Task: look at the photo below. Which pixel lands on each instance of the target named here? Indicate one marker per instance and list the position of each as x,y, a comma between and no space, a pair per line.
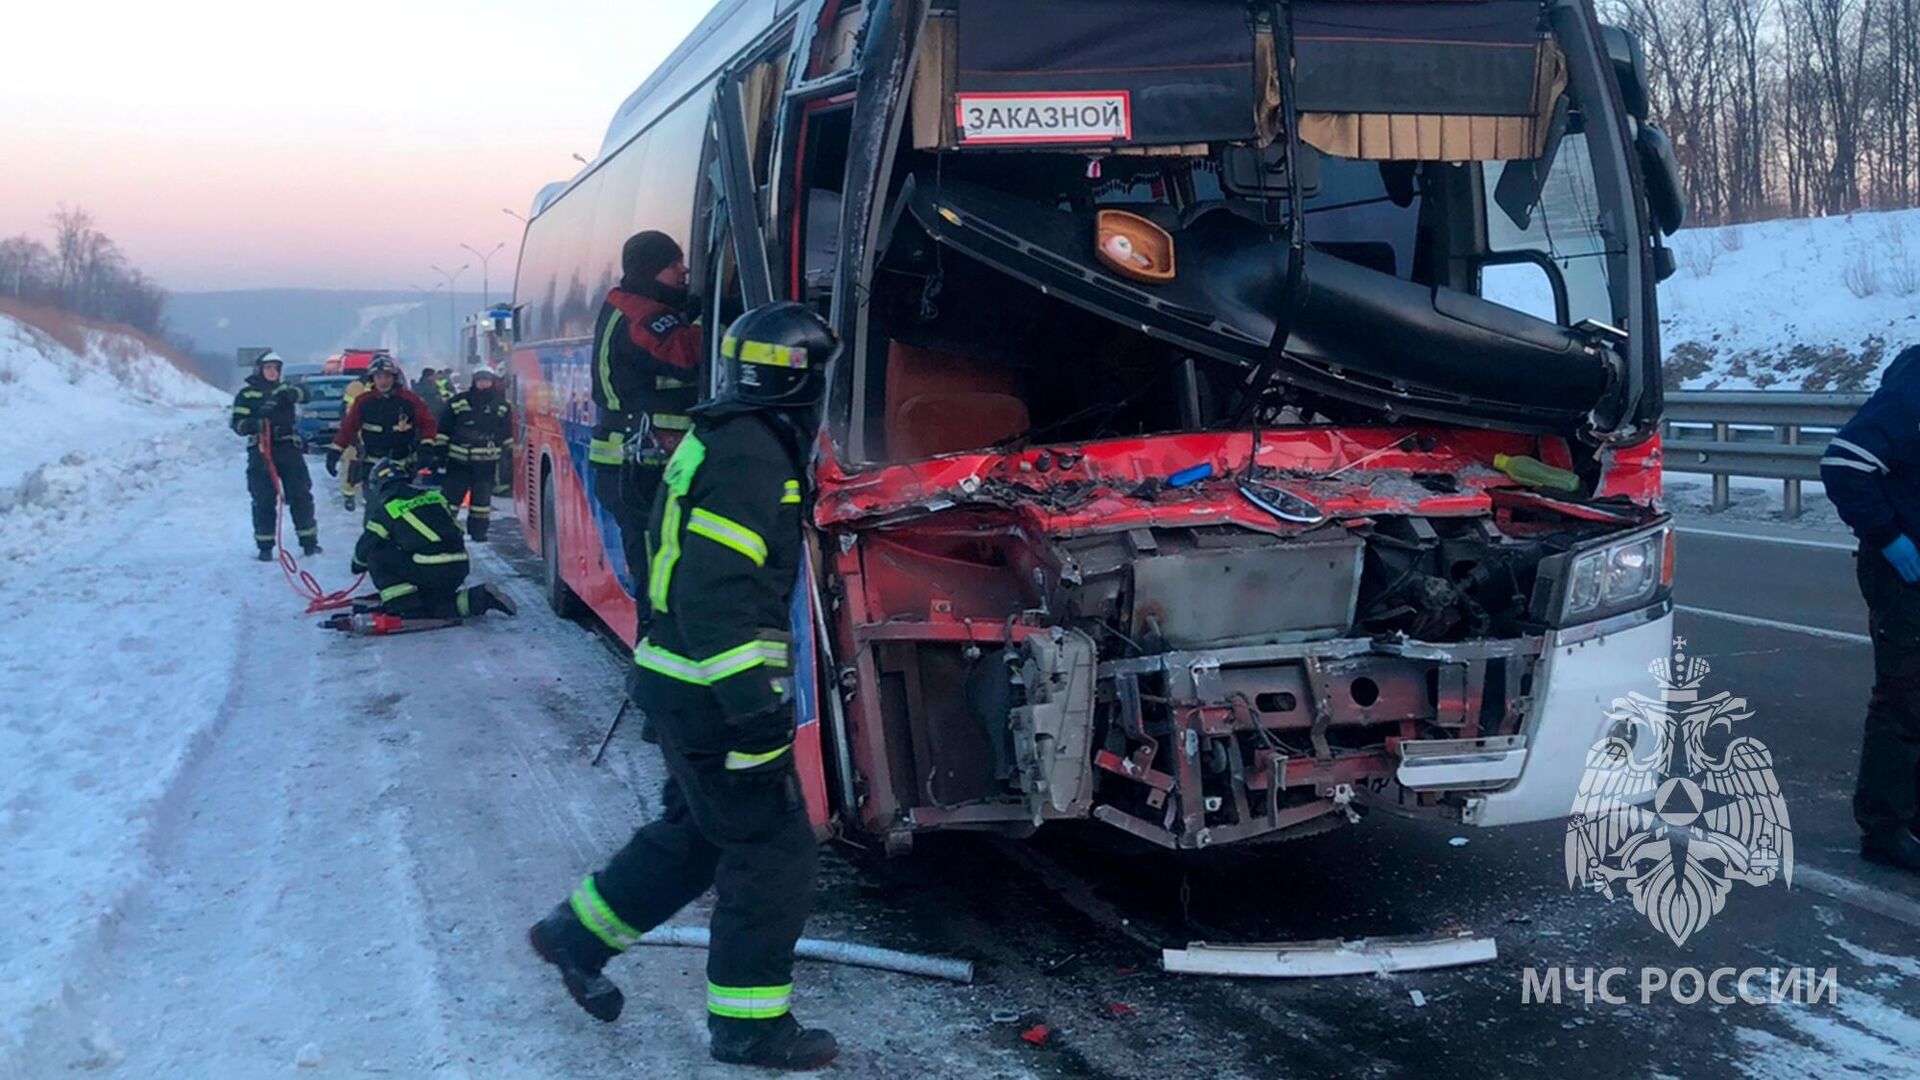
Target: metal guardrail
1758,433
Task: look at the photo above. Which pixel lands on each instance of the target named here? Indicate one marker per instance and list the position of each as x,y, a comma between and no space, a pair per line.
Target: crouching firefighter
476,428
713,677
264,412
646,358
411,547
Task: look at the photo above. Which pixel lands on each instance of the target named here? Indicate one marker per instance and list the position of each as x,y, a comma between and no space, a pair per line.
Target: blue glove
1904,557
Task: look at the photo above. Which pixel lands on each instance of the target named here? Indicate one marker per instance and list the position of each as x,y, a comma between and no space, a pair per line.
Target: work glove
333,461
249,427
1904,557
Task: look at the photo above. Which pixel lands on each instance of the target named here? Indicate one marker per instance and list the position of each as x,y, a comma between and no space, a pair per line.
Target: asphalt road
1065,928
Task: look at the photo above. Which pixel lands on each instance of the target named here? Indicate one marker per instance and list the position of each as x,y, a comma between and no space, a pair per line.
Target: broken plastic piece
1536,473
1193,474
1313,959
1037,1034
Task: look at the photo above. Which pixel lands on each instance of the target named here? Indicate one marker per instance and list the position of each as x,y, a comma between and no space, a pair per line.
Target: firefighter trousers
350,472
291,463
1887,793
471,479
741,831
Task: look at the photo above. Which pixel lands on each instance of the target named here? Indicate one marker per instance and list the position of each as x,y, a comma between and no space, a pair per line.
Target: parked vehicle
1232,433
320,414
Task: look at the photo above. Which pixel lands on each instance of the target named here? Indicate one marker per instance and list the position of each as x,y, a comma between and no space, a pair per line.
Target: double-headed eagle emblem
1674,808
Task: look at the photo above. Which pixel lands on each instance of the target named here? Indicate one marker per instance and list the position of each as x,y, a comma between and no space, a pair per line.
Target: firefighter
411,547
263,411
714,680
389,420
351,455
646,363
476,427
428,387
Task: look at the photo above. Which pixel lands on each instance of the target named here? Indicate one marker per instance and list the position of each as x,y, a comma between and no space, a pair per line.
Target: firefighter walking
476,429
264,412
646,358
713,676
349,490
389,420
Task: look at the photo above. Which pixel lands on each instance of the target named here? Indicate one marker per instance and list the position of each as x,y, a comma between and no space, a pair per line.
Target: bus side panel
557,401
807,684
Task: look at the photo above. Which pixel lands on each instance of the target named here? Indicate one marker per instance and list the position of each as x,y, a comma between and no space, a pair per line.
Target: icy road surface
234,845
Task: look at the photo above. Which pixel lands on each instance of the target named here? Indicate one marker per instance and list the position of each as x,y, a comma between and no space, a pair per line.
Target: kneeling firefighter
412,549
713,678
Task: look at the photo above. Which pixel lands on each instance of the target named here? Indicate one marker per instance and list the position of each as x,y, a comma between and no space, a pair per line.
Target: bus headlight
1605,577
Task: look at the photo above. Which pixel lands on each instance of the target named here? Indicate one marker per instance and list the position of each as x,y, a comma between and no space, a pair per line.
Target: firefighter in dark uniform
389,420
411,547
476,426
264,412
713,677
645,373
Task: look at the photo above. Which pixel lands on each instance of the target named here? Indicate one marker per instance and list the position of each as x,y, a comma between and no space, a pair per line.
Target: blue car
320,414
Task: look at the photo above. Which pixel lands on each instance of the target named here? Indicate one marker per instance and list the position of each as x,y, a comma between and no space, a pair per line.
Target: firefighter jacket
725,538
411,543
270,403
645,362
389,425
475,426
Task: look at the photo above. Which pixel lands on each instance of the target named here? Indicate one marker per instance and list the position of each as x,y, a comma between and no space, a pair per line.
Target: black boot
563,942
265,553
770,1044
349,500
1895,847
498,600
309,547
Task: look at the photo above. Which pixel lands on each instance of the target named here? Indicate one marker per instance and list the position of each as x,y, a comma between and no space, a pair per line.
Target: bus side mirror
1629,69
1664,264
1661,173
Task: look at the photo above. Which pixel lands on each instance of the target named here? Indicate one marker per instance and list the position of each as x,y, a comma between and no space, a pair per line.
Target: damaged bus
1247,415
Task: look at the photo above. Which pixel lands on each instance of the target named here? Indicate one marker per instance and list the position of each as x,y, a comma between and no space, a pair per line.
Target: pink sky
236,144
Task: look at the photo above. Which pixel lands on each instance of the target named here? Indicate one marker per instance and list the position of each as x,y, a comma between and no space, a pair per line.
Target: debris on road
834,952
1419,999
1314,959
1037,1034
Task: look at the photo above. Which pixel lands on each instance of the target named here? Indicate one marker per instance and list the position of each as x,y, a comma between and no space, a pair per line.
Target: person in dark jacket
412,550
389,420
1872,473
431,390
264,412
476,427
714,677
645,372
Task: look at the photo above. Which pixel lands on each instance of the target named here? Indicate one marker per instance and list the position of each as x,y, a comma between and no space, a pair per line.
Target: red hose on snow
304,583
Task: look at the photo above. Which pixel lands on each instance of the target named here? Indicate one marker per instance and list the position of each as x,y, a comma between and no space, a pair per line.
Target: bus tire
559,597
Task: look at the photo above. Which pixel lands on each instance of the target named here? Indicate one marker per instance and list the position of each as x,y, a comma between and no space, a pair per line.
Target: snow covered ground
1819,304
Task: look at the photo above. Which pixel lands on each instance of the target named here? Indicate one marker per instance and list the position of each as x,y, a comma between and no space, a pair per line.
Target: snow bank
83,413
1816,304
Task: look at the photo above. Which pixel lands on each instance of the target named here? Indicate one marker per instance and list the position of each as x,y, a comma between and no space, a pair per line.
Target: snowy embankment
84,414
94,725
1814,304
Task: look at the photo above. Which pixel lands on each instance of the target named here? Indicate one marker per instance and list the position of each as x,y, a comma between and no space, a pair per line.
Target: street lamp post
486,295
453,327
513,215
428,293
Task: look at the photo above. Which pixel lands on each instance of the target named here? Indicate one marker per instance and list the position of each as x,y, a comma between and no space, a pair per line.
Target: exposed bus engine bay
1050,641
